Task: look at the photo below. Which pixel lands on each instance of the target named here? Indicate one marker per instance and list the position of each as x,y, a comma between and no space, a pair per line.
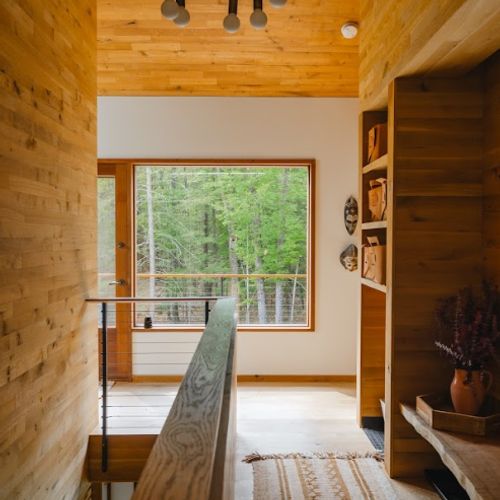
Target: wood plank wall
371,361
491,172
405,37
491,179
300,53
48,350
436,148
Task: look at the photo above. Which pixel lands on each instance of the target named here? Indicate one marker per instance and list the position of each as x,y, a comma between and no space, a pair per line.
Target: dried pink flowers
472,323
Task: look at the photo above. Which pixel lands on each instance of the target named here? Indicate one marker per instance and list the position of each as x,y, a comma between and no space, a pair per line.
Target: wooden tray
437,410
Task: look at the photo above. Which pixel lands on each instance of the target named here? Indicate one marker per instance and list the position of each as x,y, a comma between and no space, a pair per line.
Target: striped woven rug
329,476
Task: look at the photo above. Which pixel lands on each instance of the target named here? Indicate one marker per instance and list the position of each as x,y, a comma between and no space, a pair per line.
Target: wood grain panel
300,53
48,358
472,459
127,457
491,180
191,457
404,37
371,362
491,170
125,258
434,234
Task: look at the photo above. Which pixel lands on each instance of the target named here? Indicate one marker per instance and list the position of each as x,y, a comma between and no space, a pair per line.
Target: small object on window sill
148,322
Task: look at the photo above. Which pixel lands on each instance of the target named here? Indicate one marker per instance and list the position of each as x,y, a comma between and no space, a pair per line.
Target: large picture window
241,229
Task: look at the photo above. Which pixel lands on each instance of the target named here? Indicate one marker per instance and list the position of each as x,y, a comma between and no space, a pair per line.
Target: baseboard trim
328,379
297,378
157,378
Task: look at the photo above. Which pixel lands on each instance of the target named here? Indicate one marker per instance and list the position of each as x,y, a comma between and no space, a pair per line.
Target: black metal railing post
104,372
207,311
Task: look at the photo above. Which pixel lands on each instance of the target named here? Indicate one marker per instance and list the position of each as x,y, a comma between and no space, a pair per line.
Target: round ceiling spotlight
349,30
258,18
231,22
277,4
183,16
170,9
176,11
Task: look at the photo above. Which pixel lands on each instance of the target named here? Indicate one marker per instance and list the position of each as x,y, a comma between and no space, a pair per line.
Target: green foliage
106,232
196,210
227,220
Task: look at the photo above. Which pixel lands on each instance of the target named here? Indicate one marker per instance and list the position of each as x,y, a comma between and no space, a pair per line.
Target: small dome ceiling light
349,30
183,16
258,18
175,10
231,22
170,9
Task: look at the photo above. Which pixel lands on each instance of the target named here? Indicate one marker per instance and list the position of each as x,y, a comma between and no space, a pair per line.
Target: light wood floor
138,408
278,418
272,418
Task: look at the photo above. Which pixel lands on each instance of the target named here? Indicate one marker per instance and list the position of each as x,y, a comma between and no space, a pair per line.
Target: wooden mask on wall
349,258
351,214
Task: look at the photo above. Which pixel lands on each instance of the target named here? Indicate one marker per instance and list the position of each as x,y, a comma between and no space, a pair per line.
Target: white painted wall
320,128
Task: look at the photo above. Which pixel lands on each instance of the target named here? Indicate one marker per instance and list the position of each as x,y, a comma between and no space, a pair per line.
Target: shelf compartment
378,224
378,164
374,285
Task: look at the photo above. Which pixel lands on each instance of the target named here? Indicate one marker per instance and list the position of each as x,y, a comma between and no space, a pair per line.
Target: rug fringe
350,455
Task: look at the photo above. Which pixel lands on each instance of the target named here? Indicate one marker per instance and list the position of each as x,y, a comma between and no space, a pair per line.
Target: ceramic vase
468,390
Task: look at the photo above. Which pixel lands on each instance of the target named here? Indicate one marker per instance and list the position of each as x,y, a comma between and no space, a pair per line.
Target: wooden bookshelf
380,164
374,285
372,295
433,248
379,224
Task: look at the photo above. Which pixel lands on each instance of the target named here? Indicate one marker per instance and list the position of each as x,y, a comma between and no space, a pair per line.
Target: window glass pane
239,231
106,238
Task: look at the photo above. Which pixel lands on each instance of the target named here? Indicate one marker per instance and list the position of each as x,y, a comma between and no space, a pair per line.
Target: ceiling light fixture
231,22
169,9
175,10
258,19
183,16
349,30
277,3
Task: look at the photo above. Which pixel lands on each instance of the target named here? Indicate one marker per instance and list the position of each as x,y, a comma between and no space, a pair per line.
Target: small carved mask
349,258
351,214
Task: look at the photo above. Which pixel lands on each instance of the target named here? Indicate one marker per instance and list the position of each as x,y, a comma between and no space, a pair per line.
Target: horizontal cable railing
116,354
133,300
262,299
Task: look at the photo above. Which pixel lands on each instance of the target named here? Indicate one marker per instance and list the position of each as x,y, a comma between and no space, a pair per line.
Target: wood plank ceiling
300,53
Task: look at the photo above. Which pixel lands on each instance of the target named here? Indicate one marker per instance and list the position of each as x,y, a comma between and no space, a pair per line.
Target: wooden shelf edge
378,164
379,224
456,451
372,284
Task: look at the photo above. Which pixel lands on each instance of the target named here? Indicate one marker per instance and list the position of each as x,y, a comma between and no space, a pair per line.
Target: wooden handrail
211,298
193,457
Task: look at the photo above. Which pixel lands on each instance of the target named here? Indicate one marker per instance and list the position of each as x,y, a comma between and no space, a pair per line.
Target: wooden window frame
124,171
120,335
